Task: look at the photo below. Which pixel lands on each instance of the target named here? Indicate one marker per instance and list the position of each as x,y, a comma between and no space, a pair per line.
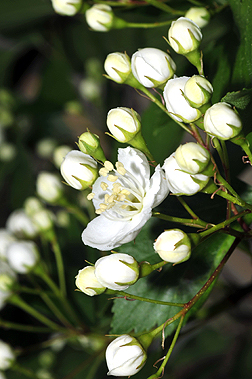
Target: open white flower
124,197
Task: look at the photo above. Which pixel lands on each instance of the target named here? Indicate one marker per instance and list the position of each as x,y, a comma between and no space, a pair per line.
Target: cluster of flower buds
115,271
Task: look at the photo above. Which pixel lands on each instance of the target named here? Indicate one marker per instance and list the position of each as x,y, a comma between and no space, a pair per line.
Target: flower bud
117,271
79,170
89,143
7,356
7,278
198,91
173,246
45,147
175,102
199,15
222,121
32,205
44,220
117,66
49,187
7,151
125,356
100,17
184,35
123,123
181,183
66,7
21,225
6,238
59,154
22,256
152,67
192,157
87,282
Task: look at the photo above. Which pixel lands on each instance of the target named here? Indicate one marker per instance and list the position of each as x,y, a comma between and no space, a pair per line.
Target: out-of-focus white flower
7,151
79,170
7,278
6,238
59,154
2,376
125,356
67,7
49,187
175,102
181,183
22,256
222,121
117,66
123,197
199,15
198,90
123,123
90,89
21,225
100,17
45,147
32,205
7,356
184,35
173,246
152,67
117,271
192,157
87,282
43,219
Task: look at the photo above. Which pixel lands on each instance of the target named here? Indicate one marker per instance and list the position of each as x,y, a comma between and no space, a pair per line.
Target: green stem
187,208
233,199
72,208
130,296
160,371
195,223
164,7
59,262
147,25
24,371
17,301
55,310
24,328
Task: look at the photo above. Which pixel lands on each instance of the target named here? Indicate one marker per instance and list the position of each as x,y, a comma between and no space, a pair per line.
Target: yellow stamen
90,196
108,165
112,178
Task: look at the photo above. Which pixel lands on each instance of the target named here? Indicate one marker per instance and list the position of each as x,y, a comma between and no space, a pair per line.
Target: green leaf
174,283
239,99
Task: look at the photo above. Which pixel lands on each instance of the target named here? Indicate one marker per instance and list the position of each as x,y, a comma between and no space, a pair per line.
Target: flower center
124,198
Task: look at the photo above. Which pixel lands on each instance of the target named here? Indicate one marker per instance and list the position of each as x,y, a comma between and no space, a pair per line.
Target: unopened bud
87,282
173,246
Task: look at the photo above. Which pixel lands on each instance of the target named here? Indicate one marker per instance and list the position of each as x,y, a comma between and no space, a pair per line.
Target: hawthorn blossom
123,197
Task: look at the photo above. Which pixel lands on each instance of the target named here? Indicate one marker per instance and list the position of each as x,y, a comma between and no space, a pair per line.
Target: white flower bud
67,7
100,17
7,151
22,256
87,282
89,143
7,356
123,123
173,246
198,91
152,67
49,187
199,15
222,121
184,35
7,278
59,154
21,225
117,66
43,219
125,356
181,183
45,147
175,102
32,205
6,238
192,157
117,271
79,170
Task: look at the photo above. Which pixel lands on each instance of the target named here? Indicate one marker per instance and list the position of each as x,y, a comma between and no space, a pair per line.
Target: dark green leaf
239,99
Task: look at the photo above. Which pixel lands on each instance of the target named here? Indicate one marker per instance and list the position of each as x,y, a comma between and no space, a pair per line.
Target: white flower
7,356
117,66
79,170
152,67
184,35
100,17
192,157
22,256
222,121
87,282
117,271
124,198
67,7
21,225
6,238
123,123
181,183
49,187
173,246
125,356
176,103
199,15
